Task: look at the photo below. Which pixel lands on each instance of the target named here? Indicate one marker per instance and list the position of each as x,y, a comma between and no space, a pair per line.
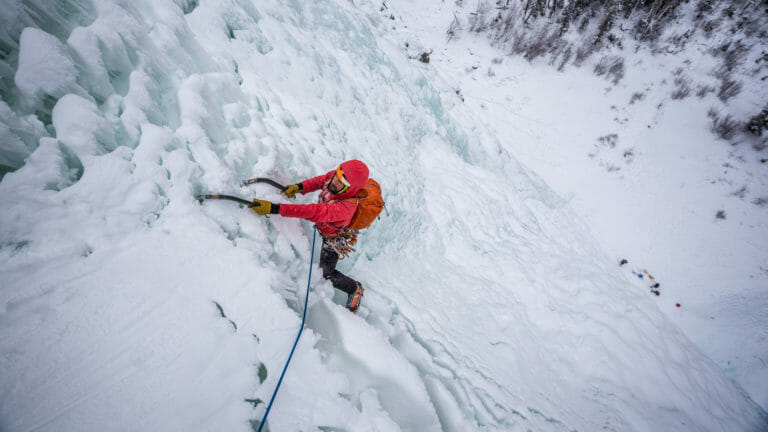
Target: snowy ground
127,305
640,166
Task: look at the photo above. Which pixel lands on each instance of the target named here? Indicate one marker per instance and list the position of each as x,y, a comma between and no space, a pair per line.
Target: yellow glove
292,190
264,207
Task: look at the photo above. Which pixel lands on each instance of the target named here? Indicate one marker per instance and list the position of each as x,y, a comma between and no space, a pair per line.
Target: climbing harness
301,329
341,243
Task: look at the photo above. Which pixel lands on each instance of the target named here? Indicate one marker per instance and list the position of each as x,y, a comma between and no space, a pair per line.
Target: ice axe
263,180
245,202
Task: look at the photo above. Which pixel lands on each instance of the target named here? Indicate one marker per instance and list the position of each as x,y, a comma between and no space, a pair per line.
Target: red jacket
333,211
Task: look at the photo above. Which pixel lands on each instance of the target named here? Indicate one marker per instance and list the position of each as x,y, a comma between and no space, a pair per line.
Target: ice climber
332,215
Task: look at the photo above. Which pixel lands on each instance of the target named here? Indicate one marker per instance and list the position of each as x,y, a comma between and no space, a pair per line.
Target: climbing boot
354,299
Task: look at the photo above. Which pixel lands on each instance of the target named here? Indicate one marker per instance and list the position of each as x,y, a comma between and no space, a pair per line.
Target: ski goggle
342,179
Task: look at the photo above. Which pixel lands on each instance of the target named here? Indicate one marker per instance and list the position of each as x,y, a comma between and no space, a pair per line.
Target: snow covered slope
127,305
637,157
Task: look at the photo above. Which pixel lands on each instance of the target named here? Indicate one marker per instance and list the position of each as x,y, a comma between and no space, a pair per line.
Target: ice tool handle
271,182
226,197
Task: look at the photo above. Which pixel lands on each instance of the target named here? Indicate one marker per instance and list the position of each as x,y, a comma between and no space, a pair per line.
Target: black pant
328,260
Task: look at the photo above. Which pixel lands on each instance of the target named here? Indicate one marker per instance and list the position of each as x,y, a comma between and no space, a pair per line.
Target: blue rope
303,318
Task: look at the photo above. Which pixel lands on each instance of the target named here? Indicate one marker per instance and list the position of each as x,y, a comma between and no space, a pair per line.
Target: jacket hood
356,174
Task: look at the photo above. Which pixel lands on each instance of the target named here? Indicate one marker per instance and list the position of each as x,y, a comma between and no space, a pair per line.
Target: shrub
454,28
566,57
609,140
758,123
682,86
726,127
605,26
733,54
478,21
741,192
710,26
703,90
728,89
704,8
612,67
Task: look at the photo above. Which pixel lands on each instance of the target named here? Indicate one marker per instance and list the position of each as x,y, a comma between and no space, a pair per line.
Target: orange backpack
369,205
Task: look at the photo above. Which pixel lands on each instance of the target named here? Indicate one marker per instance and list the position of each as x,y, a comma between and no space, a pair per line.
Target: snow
494,299
44,68
651,193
